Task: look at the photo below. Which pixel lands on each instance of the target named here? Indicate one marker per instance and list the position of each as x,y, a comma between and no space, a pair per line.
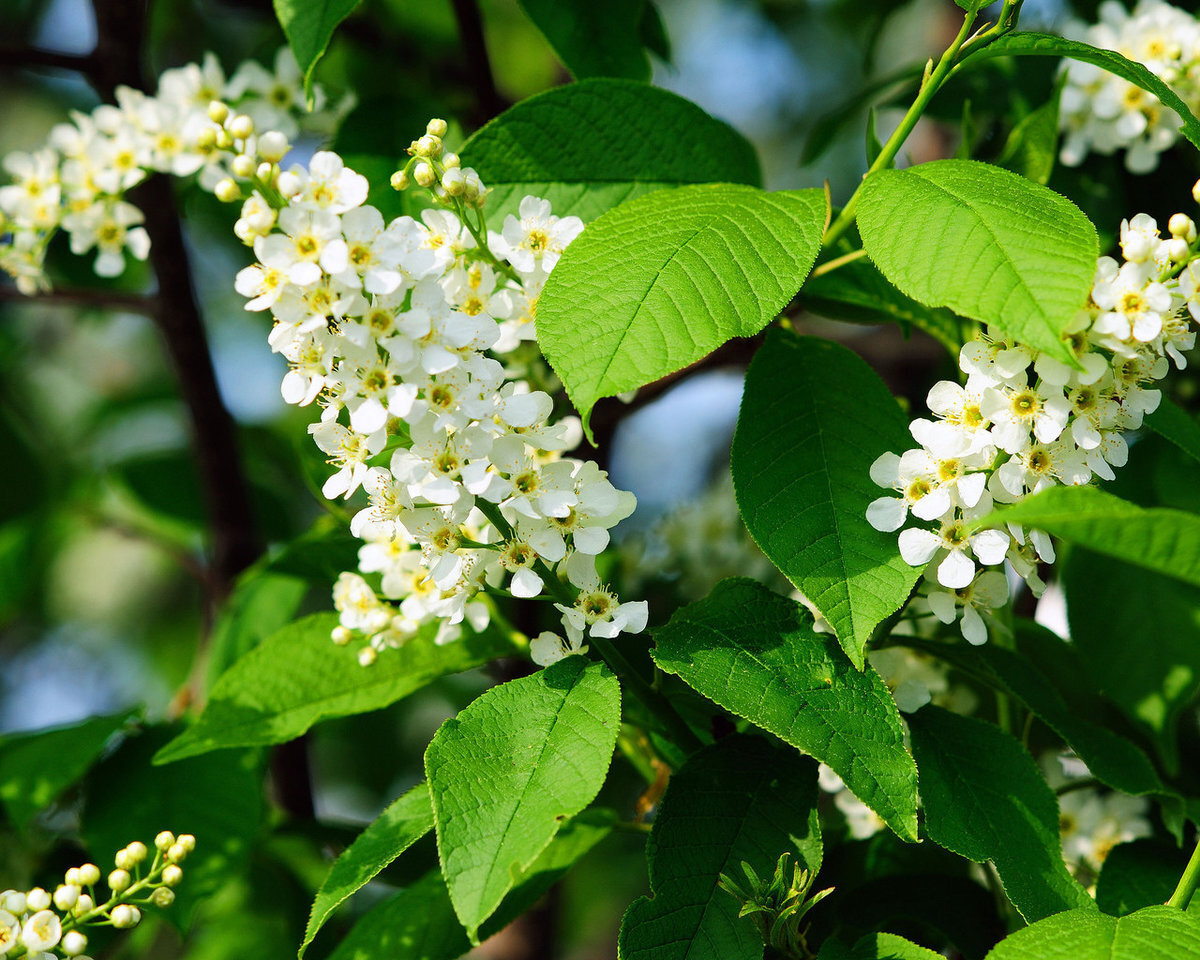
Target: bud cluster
41,925
439,171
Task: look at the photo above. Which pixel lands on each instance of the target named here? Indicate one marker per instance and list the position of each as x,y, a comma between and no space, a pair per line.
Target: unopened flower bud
227,191
206,139
118,880
400,180
454,182
73,943
89,874
1196,191
14,902
1177,249
164,840
341,636
124,859
171,875
71,878
1181,225
36,899
224,139
366,656
265,171
66,896
423,174
436,127
163,897
175,853
187,841
429,146
243,165
125,916
273,145
241,127
84,904
451,160
217,111
288,183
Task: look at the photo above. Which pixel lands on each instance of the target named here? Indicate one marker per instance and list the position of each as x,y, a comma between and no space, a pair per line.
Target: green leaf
591,145
714,261
740,799
877,946
217,798
1040,44
814,418
1112,759
859,293
1032,147
1140,874
510,768
419,923
261,603
1176,425
984,242
1141,644
1159,539
401,825
308,26
36,767
298,677
755,653
594,40
1156,933
985,799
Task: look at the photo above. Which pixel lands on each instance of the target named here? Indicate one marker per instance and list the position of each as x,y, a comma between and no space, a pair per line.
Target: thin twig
488,102
105,299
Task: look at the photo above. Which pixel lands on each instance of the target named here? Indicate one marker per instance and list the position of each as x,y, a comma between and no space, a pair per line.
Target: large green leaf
1040,44
877,946
36,767
510,768
594,40
1032,147
298,677
308,26
401,825
217,798
591,145
1140,874
814,418
713,261
740,799
987,243
1159,539
1156,933
1176,425
1141,643
858,292
755,653
985,799
262,602
419,923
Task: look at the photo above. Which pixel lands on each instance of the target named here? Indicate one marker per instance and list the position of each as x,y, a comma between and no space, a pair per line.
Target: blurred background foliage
102,521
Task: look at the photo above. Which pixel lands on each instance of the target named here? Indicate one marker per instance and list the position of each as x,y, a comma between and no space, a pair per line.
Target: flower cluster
79,180
1103,112
393,329
40,925
1023,421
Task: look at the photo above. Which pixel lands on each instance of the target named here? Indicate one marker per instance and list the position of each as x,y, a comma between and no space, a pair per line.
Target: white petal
887,513
526,583
970,488
943,605
934,505
990,546
973,627
956,571
917,547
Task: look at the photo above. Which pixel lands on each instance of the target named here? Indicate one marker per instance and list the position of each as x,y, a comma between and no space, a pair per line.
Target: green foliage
1044,45
814,418
1156,933
309,26
876,946
298,677
1141,643
595,40
261,603
1159,539
1140,874
740,799
402,824
1032,146
35,768
756,654
858,292
987,243
510,768
985,799
713,262
419,923
1176,425
217,798
589,146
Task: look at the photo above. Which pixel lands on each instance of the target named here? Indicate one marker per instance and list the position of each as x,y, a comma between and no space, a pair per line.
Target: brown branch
32,58
103,299
488,102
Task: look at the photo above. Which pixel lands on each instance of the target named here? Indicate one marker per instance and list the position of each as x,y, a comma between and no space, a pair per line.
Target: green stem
1188,882
930,85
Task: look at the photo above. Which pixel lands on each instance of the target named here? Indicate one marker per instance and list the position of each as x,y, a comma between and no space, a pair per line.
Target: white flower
988,590
547,648
1134,306
956,546
10,929
330,185
914,477
41,931
537,239
111,229
1016,410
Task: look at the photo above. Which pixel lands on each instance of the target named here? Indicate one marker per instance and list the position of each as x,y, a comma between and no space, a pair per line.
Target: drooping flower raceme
1023,421
1103,112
